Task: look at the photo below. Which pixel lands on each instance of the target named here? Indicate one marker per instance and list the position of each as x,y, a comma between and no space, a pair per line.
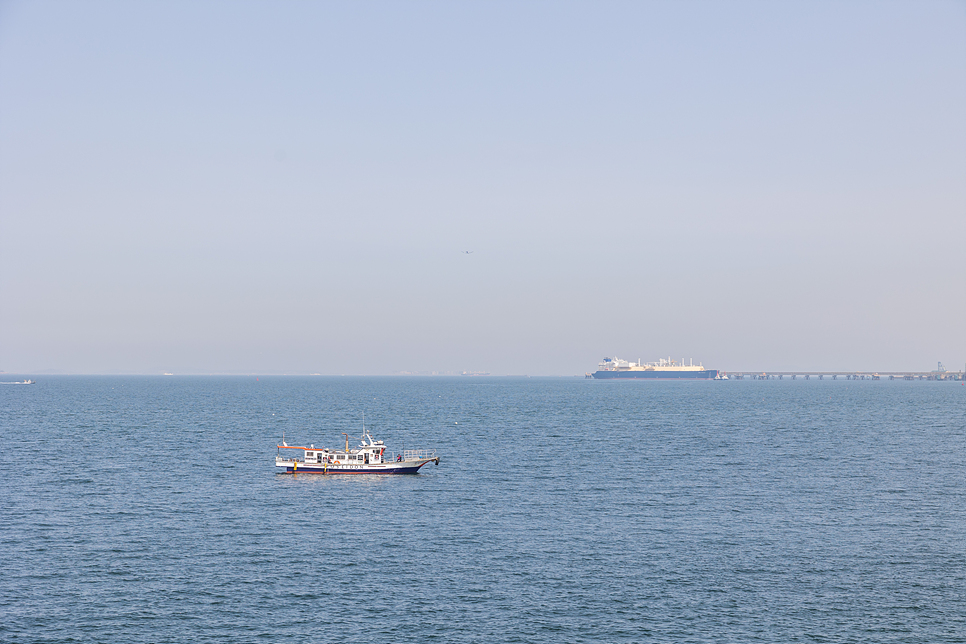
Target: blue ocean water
139,509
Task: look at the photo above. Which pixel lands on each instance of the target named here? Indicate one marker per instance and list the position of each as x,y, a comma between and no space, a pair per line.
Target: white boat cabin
369,452
363,455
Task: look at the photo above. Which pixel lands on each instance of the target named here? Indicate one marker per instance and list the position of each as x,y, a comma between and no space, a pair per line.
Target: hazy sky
270,187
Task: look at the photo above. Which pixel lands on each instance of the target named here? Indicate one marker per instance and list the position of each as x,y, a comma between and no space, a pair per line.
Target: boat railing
415,454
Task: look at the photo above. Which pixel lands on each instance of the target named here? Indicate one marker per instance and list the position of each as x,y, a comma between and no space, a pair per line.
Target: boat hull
405,467
707,374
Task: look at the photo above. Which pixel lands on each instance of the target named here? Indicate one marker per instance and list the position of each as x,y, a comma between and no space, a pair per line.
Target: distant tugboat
660,370
369,458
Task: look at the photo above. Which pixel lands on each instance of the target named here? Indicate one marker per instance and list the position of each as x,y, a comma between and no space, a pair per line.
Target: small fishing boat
370,457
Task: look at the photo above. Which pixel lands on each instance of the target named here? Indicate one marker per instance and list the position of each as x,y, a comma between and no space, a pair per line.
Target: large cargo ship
663,369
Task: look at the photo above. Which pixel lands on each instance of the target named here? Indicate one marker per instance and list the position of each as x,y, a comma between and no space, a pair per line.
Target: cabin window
309,454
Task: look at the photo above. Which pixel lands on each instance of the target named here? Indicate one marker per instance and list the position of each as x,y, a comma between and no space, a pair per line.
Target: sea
148,509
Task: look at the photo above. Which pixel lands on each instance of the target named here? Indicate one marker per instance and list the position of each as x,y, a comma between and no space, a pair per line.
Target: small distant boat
721,376
17,382
369,457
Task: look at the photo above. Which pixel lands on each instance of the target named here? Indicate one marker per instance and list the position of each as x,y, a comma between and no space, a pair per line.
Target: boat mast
365,434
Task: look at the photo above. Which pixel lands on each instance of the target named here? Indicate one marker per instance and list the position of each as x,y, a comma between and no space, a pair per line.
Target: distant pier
848,375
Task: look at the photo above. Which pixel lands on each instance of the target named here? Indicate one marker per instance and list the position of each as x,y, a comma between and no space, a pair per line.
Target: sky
264,187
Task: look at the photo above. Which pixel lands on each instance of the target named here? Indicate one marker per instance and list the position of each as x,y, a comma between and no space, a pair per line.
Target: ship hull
330,472
388,468
707,374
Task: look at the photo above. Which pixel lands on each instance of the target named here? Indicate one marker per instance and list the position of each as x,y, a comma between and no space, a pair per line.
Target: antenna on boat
364,432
